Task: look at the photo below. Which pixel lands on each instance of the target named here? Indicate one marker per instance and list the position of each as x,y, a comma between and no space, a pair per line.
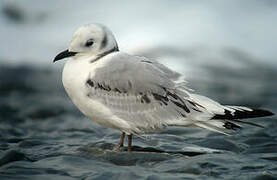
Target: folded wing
145,95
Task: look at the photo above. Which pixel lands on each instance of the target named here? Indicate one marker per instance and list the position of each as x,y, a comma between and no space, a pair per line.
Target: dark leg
129,142
120,143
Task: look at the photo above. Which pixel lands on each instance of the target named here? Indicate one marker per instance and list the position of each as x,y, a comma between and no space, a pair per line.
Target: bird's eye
89,43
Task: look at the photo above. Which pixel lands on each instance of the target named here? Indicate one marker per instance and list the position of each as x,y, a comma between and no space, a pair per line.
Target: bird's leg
129,142
120,143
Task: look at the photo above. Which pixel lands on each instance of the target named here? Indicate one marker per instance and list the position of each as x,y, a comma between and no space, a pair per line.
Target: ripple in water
43,136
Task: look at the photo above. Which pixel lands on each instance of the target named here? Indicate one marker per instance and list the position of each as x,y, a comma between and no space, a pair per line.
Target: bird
137,95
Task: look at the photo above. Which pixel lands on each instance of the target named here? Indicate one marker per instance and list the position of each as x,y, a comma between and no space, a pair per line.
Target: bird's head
90,39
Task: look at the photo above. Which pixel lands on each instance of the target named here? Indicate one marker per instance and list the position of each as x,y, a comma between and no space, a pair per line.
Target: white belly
74,78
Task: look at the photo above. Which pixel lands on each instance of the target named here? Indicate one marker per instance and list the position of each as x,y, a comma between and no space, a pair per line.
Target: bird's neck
104,53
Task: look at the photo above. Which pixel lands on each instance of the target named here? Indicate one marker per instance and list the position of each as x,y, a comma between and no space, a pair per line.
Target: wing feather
147,96
140,91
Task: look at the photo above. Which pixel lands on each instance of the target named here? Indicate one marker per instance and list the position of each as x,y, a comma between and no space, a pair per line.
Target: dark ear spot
104,41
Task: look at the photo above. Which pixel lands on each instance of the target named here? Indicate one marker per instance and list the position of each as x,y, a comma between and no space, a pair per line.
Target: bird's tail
224,118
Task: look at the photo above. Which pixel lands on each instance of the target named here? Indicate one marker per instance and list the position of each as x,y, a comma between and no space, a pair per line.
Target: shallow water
43,136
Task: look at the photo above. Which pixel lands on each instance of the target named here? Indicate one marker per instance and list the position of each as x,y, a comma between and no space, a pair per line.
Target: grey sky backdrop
35,30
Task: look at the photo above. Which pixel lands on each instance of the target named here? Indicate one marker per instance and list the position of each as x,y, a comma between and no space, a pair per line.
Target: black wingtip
232,126
243,114
262,113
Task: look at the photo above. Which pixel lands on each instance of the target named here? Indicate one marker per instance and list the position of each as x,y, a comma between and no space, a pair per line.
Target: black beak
63,55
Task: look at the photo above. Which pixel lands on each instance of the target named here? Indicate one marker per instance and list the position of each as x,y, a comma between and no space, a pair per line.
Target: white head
90,39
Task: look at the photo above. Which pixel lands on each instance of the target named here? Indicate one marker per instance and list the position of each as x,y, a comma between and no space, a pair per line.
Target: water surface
43,136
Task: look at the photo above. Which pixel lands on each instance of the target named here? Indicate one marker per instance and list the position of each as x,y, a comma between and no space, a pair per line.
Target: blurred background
225,49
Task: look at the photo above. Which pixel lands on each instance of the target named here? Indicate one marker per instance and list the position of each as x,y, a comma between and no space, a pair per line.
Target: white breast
75,75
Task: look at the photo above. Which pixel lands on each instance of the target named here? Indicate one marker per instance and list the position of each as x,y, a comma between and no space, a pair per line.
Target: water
226,51
43,136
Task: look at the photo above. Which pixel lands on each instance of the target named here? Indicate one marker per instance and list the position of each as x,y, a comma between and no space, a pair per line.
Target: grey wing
135,74
141,92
